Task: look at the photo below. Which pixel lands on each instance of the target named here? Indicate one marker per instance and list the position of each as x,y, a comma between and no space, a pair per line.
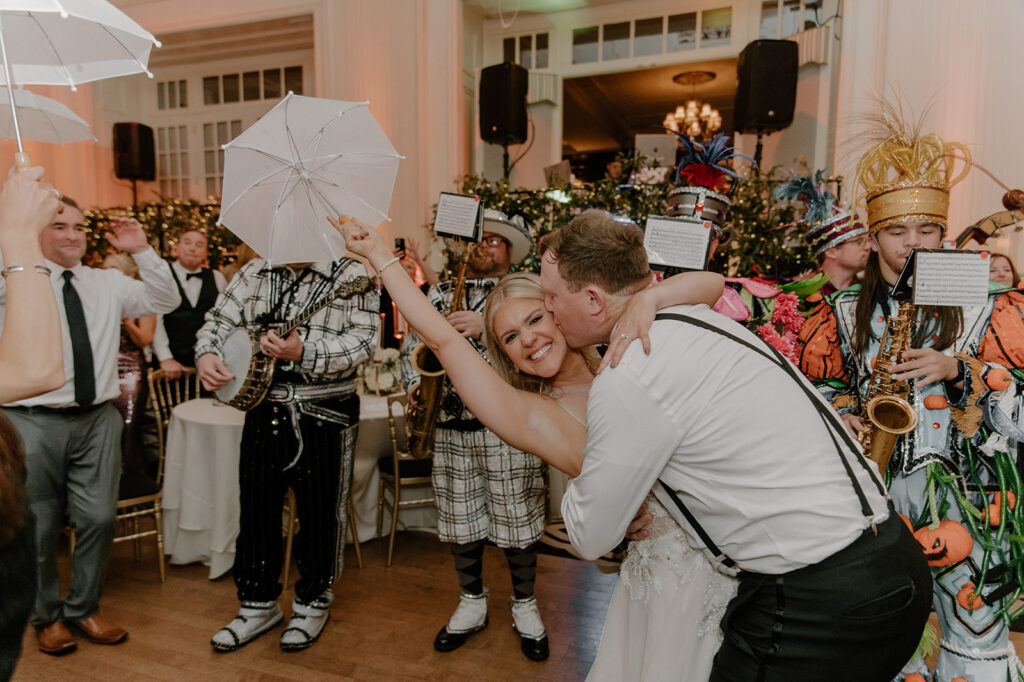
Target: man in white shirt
830,578
72,435
175,338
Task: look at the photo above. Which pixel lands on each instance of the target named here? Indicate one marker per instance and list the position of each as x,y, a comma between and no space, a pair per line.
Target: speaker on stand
766,88
135,158
503,106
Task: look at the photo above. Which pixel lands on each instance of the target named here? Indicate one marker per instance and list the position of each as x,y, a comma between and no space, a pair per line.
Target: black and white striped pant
320,478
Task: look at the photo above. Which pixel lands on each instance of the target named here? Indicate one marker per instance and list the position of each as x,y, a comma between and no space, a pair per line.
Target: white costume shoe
307,622
527,622
470,617
253,619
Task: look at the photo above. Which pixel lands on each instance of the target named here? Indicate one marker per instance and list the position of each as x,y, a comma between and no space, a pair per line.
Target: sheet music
951,278
458,215
677,242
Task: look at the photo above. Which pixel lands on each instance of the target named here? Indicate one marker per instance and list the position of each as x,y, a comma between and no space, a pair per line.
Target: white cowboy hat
513,229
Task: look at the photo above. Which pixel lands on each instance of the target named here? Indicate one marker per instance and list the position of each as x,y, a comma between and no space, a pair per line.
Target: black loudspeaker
766,88
503,104
134,155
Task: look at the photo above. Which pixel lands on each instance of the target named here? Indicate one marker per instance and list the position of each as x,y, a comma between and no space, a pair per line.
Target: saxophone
886,412
422,417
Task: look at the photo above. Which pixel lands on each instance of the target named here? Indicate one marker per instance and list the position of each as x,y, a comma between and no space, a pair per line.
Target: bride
663,620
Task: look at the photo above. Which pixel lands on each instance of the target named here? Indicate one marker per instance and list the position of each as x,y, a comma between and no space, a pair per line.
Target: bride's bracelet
381,269
41,269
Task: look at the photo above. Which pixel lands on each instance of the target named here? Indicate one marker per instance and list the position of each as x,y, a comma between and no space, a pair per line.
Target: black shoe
450,641
535,649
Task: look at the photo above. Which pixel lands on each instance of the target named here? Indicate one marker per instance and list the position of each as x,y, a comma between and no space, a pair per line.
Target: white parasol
304,160
66,42
42,119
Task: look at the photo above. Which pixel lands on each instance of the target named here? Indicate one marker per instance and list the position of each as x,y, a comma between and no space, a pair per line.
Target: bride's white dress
664,616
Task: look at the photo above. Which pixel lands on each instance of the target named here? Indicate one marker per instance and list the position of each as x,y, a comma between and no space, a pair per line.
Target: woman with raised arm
535,399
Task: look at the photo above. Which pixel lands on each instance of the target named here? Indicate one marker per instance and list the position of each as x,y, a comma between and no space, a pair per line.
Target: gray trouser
72,461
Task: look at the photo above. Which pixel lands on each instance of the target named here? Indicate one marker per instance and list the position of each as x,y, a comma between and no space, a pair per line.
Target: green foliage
765,242
164,221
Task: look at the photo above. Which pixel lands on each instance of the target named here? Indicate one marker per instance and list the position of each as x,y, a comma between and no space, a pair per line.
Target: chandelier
697,119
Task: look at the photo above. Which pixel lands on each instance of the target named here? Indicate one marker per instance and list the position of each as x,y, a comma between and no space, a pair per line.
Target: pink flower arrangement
786,314
785,342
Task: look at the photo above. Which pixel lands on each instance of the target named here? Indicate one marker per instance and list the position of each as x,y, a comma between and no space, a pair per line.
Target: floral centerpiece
381,373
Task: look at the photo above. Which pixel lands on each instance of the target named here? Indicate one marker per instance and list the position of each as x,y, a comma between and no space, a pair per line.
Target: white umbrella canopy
304,160
42,119
65,42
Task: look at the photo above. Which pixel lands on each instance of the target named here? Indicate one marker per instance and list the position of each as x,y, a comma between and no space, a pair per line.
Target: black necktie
81,351
190,275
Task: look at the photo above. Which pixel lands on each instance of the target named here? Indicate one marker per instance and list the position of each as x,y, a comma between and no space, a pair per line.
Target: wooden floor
382,624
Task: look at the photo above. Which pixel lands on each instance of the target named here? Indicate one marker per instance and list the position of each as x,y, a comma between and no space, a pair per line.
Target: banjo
254,371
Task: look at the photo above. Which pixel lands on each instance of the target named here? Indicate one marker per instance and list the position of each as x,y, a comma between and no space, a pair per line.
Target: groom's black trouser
856,616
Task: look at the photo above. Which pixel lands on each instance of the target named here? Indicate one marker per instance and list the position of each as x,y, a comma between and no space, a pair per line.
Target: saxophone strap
828,416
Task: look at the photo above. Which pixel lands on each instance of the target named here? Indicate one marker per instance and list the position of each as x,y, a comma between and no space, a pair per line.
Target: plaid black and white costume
484,488
306,444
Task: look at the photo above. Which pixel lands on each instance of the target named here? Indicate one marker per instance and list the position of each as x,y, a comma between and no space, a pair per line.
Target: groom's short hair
596,249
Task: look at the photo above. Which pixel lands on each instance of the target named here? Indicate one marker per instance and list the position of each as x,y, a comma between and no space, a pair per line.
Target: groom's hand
637,529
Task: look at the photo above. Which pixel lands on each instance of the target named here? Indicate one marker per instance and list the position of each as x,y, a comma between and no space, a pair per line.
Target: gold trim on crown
916,203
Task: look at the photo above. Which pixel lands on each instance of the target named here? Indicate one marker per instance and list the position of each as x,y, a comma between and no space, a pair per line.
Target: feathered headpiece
907,175
704,179
828,225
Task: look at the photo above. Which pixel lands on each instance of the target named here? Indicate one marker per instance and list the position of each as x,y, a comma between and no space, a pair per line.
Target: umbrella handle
22,161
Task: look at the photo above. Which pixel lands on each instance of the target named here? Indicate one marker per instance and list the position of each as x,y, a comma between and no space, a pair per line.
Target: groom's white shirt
732,433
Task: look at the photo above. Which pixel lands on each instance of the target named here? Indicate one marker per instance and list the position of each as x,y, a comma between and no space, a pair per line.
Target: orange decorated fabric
820,354
1003,342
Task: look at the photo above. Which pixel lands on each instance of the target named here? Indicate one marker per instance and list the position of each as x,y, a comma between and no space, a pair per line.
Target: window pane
172,139
220,159
584,45
682,32
208,140
172,96
790,17
211,187
540,58
230,87
211,90
715,26
162,164
526,51
184,164
770,19
161,138
293,79
236,129
174,189
812,13
251,85
509,50
272,84
160,96
182,137
222,132
616,41
210,162
182,94
172,166
648,36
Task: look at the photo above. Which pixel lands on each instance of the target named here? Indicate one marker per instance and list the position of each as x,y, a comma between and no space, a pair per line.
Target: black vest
184,322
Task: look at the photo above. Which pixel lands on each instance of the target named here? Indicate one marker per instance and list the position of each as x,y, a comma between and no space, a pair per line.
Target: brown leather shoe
55,639
99,630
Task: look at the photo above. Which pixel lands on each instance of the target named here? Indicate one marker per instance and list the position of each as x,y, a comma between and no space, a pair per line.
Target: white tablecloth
201,481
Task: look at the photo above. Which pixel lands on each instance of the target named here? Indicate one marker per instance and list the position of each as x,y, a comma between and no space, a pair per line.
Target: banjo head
237,353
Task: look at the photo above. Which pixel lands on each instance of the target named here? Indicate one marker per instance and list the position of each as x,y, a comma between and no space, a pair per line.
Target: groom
731,437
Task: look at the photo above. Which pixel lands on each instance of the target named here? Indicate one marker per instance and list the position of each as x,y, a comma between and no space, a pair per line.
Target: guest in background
1002,270
613,171
31,362
132,373
244,255
72,434
199,286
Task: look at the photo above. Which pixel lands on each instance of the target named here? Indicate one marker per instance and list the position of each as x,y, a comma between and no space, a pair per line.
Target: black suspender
828,416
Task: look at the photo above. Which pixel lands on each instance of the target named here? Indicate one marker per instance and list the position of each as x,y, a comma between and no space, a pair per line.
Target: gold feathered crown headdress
906,176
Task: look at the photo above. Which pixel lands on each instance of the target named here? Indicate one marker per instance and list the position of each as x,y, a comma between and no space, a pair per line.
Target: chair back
166,393
398,403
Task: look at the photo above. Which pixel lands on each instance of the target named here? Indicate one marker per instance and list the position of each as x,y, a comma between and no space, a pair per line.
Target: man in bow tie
199,286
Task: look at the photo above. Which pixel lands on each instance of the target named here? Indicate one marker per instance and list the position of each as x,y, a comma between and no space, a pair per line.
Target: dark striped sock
469,566
522,564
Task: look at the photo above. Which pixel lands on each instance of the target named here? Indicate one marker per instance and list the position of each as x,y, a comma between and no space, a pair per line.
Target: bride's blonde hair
520,285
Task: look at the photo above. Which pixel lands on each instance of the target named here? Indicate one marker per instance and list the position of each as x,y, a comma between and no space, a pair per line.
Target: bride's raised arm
524,420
